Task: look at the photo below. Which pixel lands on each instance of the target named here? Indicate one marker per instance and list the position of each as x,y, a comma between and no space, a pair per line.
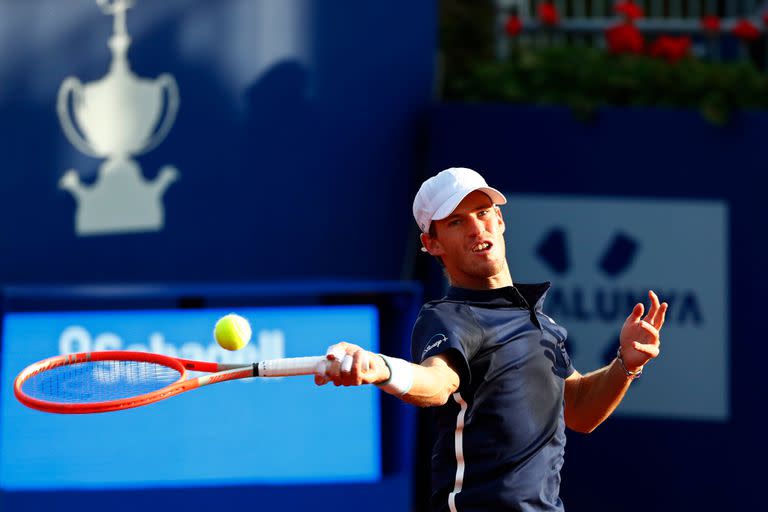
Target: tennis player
493,365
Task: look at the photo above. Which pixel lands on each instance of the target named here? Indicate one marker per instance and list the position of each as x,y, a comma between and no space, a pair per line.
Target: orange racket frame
217,373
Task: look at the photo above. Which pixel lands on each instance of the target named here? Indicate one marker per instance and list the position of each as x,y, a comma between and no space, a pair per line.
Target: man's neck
500,280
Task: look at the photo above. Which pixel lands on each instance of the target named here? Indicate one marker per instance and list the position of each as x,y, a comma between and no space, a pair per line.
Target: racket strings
99,381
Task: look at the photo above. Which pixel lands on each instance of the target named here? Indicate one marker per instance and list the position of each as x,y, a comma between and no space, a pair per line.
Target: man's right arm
434,381
431,383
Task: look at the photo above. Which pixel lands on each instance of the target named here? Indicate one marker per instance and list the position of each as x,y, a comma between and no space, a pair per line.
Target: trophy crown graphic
118,117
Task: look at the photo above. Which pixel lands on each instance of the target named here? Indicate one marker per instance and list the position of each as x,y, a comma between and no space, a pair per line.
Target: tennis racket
113,380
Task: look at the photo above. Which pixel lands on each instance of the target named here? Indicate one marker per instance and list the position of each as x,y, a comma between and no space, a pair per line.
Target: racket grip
288,366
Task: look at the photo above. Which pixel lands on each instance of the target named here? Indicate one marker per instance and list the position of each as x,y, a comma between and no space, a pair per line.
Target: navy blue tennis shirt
501,437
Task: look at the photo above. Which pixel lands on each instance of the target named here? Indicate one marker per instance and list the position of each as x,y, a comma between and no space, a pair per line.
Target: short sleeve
445,329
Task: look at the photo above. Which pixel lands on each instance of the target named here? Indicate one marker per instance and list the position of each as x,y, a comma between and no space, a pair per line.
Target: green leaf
586,78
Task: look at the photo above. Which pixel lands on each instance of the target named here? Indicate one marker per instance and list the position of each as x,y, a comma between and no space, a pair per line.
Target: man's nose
474,226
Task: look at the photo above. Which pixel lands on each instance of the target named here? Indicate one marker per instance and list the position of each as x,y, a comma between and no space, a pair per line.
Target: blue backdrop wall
294,139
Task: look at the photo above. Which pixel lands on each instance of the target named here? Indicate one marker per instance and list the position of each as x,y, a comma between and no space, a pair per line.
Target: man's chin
486,270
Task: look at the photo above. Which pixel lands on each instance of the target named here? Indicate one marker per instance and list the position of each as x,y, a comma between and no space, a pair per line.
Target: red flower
548,14
629,9
671,49
746,30
513,26
710,23
624,38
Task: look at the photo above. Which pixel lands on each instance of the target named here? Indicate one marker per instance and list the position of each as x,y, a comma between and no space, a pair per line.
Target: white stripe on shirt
459,447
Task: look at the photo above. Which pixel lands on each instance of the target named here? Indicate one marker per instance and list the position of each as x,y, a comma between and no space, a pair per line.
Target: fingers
636,314
657,312
327,370
320,373
362,361
355,368
345,365
646,342
661,316
647,349
336,352
654,307
351,370
640,332
652,334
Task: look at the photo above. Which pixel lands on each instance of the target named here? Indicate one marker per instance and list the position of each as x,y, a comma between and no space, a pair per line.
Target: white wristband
400,376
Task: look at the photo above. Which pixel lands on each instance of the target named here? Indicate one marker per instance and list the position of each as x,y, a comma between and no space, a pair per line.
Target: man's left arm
591,398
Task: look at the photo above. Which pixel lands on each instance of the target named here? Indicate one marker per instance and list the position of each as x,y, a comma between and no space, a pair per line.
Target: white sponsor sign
602,256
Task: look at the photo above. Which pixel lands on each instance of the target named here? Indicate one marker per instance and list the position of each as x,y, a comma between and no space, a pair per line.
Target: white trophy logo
117,118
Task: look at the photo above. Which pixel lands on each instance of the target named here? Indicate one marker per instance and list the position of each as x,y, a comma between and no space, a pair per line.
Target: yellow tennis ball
232,332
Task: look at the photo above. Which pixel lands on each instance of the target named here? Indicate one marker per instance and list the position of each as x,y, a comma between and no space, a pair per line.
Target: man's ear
432,245
501,219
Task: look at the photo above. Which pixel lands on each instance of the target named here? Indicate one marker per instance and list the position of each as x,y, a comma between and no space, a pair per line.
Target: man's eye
483,213
454,222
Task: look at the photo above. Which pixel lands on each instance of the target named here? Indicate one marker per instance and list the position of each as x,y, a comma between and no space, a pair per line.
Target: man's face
470,241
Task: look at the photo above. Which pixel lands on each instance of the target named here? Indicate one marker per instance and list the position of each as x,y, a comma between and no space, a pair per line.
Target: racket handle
287,367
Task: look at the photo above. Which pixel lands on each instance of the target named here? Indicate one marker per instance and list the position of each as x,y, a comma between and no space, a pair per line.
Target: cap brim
447,207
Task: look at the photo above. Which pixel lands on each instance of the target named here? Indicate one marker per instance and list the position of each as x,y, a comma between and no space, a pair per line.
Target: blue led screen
259,431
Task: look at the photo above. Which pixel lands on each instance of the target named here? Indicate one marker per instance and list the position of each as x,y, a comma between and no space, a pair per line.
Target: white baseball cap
441,194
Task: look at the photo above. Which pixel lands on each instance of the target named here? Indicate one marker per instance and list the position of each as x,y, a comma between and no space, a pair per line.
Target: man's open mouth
482,247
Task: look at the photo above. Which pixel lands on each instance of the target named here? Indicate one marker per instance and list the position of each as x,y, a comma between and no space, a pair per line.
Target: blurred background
165,163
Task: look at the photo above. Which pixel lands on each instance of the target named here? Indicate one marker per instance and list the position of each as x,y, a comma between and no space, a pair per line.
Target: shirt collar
520,295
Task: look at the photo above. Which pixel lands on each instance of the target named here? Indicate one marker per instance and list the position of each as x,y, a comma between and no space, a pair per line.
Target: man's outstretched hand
350,365
639,338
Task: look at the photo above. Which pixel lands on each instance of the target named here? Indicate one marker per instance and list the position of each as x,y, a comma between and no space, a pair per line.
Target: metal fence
585,21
